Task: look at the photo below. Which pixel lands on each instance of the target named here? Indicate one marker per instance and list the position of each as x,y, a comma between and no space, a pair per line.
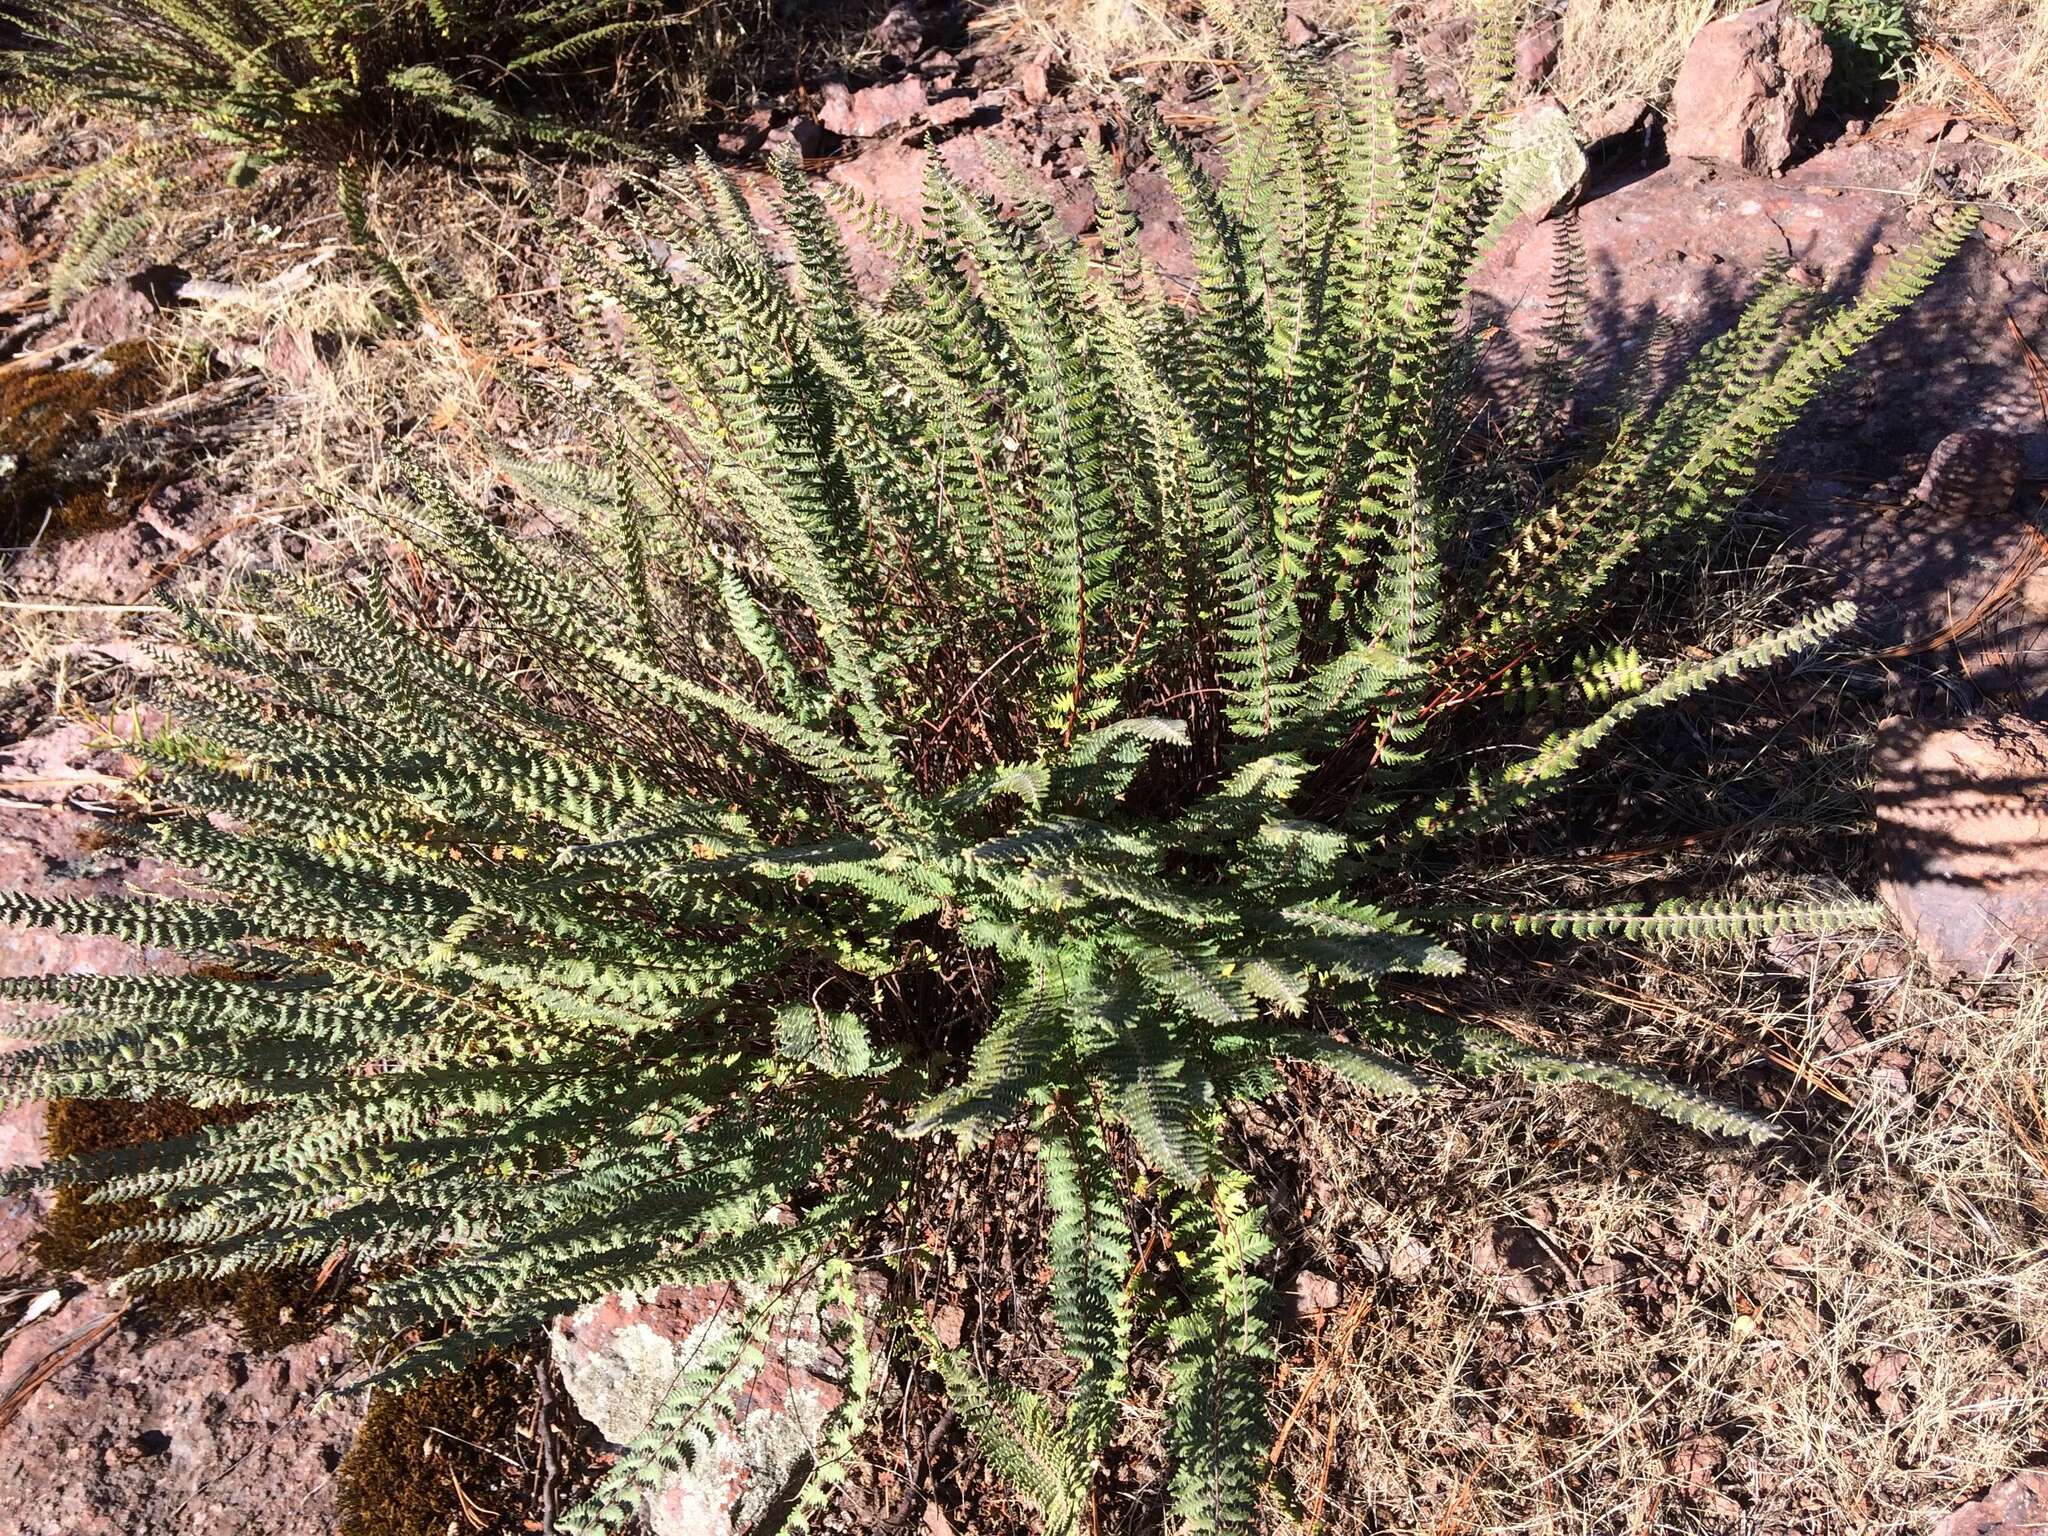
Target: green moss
458,1453
269,1309
61,473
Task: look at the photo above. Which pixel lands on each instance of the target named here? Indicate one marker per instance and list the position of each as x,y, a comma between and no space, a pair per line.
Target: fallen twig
291,280
1973,80
192,551
2023,565
2036,369
74,1345
18,334
207,397
547,1448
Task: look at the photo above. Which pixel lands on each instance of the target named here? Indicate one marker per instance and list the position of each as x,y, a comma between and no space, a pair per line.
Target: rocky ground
1760,1345
110,1426
129,1433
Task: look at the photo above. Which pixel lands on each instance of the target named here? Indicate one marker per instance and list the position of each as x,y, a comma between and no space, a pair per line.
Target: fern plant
332,81
1031,699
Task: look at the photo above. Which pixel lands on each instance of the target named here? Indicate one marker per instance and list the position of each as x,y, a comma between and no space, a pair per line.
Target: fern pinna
1022,700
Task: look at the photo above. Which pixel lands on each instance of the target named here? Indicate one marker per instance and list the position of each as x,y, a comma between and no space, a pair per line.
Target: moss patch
269,1309
60,467
460,1453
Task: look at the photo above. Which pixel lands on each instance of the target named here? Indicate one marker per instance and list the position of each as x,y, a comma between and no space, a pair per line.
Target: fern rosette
1022,700
330,81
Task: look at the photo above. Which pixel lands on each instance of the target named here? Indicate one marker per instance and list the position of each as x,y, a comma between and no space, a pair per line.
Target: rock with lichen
620,1356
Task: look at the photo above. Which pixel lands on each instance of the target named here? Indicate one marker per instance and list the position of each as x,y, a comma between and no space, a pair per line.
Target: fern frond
1491,1050
1681,920
1016,1432
1221,1356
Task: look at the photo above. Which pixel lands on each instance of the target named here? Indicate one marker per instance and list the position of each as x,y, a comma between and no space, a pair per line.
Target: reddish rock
291,354
139,1435
113,312
1442,48
1889,1380
1962,812
948,1322
1625,117
873,110
1536,49
899,32
1034,79
21,1138
2016,1506
1314,1293
1973,473
1699,1460
1747,87
800,133
957,107
1410,1260
1522,1264
620,1356
745,136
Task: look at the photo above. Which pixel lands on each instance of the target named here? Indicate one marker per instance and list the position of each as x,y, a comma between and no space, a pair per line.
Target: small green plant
1872,40
1031,699
334,81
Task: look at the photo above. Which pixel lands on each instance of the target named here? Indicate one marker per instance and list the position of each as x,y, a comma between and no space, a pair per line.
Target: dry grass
1612,51
1987,62
1616,51
300,308
1844,1337
282,304
1102,40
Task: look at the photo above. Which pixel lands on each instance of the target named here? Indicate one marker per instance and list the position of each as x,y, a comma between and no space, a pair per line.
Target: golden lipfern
334,81
1029,698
